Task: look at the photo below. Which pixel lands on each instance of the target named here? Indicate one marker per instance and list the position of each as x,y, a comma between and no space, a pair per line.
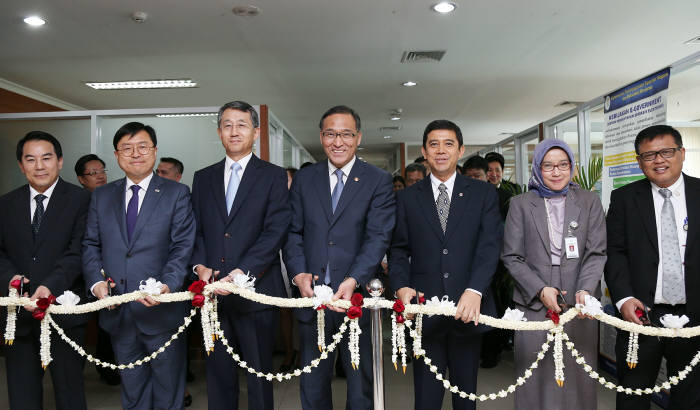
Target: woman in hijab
554,247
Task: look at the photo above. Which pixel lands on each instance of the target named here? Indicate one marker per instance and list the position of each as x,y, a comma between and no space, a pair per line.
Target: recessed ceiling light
143,84
444,7
386,137
194,114
35,21
246,11
409,84
395,118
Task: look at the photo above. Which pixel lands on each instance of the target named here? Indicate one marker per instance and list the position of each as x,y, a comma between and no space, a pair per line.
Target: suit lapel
352,186
426,200
218,190
692,204
118,198
248,179
539,215
323,189
22,216
645,204
571,213
149,205
458,204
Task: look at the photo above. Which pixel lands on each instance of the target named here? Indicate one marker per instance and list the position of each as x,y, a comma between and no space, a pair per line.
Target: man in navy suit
242,212
138,227
448,244
342,218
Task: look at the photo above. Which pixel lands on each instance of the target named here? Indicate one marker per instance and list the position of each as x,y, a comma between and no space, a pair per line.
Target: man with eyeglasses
91,172
653,266
139,227
342,218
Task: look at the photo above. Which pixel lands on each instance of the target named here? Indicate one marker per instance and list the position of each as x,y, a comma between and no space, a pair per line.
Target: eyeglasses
345,135
128,150
93,173
665,153
562,166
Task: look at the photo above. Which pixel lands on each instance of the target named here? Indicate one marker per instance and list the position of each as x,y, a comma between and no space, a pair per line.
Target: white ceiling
507,64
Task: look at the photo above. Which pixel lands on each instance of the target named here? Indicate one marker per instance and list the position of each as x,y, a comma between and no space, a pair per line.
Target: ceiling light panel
194,114
142,84
35,21
444,7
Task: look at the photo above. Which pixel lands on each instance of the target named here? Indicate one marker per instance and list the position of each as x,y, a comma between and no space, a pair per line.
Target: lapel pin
157,190
357,179
461,194
573,224
685,224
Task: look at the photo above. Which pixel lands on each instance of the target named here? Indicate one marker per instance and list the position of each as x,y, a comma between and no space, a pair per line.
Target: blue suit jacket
251,235
160,247
465,256
354,239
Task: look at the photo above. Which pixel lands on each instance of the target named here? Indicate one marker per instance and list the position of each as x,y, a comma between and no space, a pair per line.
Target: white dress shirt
450,184
346,171
32,203
680,211
243,162
142,192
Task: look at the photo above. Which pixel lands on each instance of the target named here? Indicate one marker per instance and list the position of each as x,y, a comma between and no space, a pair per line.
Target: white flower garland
283,376
398,342
321,329
558,356
11,324
632,350
417,335
491,396
45,341
48,319
354,343
672,381
207,331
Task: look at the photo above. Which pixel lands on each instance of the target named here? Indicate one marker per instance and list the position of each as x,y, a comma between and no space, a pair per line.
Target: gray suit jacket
526,251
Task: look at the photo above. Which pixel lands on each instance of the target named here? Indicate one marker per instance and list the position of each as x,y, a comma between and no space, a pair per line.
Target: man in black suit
41,226
448,244
654,262
242,212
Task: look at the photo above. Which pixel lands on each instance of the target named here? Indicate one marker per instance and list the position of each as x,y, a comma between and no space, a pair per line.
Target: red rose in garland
198,300
356,299
354,312
197,286
15,284
554,316
398,306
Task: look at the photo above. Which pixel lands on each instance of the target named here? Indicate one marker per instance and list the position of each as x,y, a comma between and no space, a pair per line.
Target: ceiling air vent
569,104
422,56
394,128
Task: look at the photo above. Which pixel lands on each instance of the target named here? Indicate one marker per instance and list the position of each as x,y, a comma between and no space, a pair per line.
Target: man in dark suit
138,227
242,212
41,226
654,262
342,218
448,244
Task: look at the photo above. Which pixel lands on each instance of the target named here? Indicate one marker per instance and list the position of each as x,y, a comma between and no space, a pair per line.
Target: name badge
571,244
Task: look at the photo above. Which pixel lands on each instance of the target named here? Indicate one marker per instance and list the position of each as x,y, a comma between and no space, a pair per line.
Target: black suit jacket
251,235
53,259
465,256
633,251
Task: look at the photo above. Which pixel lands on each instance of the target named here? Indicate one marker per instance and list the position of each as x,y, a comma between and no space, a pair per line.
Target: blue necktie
132,211
232,187
335,197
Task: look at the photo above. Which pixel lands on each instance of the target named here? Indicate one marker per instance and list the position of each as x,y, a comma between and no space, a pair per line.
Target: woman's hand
548,296
581,300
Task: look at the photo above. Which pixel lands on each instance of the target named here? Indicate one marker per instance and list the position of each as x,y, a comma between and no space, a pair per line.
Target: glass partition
508,152
72,133
567,130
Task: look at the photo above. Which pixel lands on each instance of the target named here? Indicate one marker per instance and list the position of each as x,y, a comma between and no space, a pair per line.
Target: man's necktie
443,206
132,211
38,213
232,187
335,197
673,283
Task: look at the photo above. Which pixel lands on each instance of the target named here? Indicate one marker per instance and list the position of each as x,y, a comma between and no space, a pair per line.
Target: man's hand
345,291
228,278
469,307
41,292
101,290
629,308
18,277
405,295
581,300
548,296
206,274
148,301
303,282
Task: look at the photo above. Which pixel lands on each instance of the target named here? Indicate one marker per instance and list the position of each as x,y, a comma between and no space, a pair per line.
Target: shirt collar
33,192
450,183
243,162
676,188
346,168
143,184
